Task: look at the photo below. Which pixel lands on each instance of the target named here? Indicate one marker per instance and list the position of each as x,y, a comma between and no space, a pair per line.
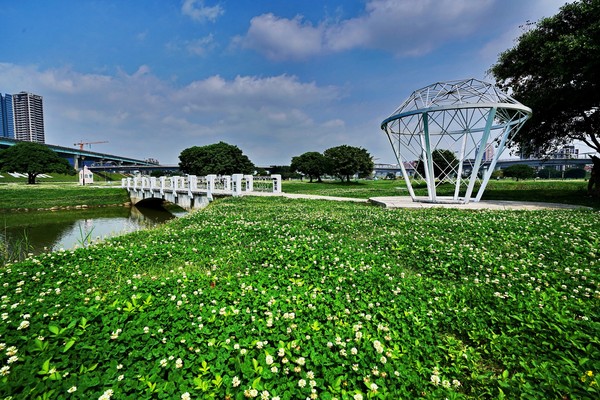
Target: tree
548,173
575,173
345,161
33,159
219,159
519,171
553,69
444,164
312,163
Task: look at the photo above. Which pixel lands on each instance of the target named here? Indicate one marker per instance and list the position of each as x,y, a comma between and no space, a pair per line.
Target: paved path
406,202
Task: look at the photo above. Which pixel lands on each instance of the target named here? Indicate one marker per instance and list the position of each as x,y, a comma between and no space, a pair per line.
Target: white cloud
402,27
143,116
200,46
281,38
196,10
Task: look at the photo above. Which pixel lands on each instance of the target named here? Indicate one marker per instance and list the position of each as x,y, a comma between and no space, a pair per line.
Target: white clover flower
354,351
179,363
301,361
106,395
185,396
12,359
302,383
163,362
121,377
358,396
72,389
274,369
269,359
235,382
146,329
435,379
456,383
265,395
4,370
2,346
310,375
24,324
383,359
11,351
281,352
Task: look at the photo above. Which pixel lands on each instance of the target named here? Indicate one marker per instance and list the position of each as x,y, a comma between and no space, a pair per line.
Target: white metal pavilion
470,118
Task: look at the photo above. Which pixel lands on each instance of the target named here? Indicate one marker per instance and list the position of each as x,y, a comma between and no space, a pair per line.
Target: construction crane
82,143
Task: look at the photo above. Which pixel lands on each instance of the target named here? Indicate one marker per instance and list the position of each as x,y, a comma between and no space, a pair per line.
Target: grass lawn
549,191
286,299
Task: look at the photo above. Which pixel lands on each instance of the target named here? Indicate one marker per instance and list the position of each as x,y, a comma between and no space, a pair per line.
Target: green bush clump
285,299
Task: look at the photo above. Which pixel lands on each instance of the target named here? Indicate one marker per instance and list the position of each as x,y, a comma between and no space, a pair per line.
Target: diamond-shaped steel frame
469,117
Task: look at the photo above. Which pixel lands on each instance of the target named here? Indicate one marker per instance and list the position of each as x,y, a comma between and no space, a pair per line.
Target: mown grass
548,191
46,195
286,299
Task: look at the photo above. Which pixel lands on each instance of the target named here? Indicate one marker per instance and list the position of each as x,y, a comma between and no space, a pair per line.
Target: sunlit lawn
290,299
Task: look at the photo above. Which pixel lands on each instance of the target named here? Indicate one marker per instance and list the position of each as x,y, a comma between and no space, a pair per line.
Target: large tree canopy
33,159
345,161
553,69
312,163
219,159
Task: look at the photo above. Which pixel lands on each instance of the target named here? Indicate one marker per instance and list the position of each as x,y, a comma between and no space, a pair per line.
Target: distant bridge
78,158
384,169
194,192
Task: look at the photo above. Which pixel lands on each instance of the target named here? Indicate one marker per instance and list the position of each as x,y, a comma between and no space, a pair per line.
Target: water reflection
43,231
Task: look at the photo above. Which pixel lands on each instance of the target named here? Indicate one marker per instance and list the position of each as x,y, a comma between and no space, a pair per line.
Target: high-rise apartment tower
28,114
7,125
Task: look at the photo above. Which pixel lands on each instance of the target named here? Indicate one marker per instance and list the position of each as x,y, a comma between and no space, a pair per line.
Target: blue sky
276,78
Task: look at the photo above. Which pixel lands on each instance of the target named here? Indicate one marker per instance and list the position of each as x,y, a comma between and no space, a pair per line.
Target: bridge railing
236,184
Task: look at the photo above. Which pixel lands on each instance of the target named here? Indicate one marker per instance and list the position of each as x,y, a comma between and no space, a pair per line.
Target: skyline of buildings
22,117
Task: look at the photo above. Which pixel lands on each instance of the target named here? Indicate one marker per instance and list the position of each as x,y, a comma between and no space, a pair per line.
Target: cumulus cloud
198,11
402,27
282,38
143,116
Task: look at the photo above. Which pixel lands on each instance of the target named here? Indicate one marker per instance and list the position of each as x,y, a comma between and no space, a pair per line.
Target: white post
237,184
461,159
227,182
162,184
175,183
135,183
153,183
249,183
276,183
210,183
484,139
192,184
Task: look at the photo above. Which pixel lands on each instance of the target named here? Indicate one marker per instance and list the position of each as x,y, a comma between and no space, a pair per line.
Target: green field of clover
273,298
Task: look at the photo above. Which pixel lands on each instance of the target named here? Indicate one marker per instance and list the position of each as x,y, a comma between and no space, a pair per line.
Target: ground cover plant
289,299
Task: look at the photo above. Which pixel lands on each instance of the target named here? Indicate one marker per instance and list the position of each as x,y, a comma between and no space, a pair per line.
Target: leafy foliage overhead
554,70
345,161
219,159
33,159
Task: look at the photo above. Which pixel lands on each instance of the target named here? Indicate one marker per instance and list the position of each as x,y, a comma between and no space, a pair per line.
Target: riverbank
55,196
290,297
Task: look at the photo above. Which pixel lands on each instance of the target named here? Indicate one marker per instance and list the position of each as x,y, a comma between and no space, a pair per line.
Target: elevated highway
78,157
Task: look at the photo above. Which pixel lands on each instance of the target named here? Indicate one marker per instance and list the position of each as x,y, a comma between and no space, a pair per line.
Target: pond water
43,231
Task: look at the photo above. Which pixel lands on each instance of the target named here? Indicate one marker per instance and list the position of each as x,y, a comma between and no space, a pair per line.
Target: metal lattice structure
453,132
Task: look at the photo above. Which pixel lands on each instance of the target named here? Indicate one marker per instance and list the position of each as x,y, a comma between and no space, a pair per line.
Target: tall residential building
7,125
28,114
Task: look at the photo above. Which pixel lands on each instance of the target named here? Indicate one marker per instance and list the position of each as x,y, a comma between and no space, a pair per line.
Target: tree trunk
31,179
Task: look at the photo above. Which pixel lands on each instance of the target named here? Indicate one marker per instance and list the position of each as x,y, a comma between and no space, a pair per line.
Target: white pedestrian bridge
192,192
